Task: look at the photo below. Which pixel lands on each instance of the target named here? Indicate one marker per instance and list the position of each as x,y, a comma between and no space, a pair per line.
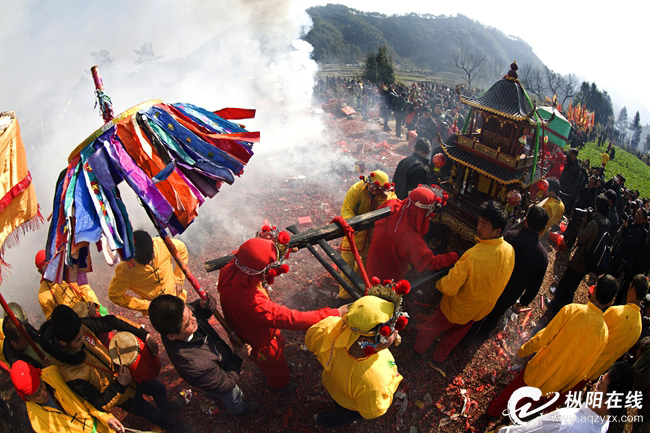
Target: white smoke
214,54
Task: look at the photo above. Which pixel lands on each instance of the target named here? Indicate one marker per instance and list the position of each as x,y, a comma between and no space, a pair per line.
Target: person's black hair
65,323
553,185
143,247
422,145
166,314
602,204
537,218
611,195
621,381
644,345
574,151
10,331
640,285
606,289
494,213
644,211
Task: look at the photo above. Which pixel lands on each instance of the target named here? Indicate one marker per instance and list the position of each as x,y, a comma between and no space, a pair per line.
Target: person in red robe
397,240
254,317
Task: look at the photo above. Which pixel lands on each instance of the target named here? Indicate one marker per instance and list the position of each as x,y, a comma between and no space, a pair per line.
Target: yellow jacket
566,349
624,326
78,415
148,281
476,281
555,210
358,201
52,294
366,384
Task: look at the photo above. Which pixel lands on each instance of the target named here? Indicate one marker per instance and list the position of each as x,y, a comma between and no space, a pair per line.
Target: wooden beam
312,236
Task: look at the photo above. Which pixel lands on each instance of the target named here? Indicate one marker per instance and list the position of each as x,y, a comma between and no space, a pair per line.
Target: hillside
344,35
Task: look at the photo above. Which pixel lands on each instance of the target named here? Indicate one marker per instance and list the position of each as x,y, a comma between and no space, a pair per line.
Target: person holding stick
53,407
249,310
89,371
198,353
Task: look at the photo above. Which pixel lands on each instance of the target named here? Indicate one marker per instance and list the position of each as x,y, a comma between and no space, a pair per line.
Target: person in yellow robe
566,350
623,325
473,285
364,196
359,372
153,274
552,204
53,407
51,294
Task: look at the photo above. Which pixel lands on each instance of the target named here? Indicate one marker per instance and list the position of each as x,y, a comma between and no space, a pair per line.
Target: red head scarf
251,260
26,378
414,211
40,261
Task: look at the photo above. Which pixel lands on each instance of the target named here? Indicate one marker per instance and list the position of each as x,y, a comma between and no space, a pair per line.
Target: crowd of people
71,381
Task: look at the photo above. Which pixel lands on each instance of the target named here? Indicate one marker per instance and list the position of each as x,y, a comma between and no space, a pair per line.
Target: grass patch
636,172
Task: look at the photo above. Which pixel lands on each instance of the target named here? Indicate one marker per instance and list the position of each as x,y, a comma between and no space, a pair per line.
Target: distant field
406,76
636,172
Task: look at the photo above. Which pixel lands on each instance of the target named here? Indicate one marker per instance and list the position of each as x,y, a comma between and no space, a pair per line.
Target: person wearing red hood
51,294
254,317
53,407
397,241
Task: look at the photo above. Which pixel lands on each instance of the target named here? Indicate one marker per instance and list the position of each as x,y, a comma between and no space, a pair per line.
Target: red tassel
273,272
284,268
401,323
368,350
266,228
387,282
385,330
374,281
270,280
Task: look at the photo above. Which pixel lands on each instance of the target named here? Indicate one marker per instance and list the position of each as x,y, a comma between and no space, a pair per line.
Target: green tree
596,100
379,68
621,121
636,130
647,143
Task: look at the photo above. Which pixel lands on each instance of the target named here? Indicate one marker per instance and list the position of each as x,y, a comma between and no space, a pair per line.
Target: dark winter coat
206,361
410,172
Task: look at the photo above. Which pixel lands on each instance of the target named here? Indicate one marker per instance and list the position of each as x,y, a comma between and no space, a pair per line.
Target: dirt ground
453,398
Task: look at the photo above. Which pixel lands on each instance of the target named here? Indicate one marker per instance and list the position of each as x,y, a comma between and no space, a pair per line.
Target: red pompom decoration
368,350
372,174
377,184
392,184
374,281
385,330
387,282
273,272
270,280
361,177
543,184
284,268
274,228
387,185
286,255
284,237
439,160
266,228
402,287
401,323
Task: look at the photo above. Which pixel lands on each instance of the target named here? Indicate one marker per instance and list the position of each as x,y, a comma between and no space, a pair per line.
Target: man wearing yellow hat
358,373
364,196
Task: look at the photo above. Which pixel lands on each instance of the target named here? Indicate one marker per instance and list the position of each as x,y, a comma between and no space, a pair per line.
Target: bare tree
552,80
146,55
469,62
533,80
568,87
497,68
